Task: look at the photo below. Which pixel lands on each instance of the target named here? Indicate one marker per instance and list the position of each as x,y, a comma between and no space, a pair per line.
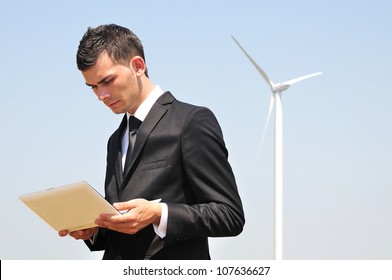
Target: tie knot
133,123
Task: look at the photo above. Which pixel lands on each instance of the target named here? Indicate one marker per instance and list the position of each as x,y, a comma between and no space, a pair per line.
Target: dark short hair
120,43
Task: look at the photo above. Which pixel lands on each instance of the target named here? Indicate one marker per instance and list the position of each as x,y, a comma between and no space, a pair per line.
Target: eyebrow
100,82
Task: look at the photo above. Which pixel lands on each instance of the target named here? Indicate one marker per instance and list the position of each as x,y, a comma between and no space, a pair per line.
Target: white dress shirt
141,113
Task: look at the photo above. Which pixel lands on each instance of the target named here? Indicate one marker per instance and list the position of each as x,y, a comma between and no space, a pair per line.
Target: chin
116,111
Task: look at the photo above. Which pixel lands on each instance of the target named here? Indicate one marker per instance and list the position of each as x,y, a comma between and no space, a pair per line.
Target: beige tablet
70,207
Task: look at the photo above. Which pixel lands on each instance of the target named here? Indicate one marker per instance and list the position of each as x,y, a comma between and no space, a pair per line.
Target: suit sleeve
97,243
217,209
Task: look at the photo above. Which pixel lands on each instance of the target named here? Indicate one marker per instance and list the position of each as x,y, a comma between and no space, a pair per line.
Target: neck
146,87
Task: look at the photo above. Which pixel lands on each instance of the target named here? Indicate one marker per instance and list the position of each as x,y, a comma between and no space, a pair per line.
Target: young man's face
116,85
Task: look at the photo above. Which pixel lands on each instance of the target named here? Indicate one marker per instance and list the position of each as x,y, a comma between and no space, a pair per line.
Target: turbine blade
261,71
271,106
296,80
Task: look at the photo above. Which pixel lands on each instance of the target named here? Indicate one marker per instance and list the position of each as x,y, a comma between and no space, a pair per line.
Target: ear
138,65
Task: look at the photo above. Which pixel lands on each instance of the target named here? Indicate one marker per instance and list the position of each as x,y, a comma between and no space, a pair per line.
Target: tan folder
71,207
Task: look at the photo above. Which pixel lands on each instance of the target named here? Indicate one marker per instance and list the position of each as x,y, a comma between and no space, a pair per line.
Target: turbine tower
276,99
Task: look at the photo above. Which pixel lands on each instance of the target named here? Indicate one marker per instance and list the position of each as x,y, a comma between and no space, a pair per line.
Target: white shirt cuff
160,229
94,237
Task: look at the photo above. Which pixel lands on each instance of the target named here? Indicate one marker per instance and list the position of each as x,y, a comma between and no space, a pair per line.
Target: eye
107,82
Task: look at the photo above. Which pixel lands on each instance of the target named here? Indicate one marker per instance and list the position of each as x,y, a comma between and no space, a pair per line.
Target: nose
102,94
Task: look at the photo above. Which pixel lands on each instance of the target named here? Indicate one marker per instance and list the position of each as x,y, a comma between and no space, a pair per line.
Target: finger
77,234
63,233
130,204
83,234
109,218
121,206
109,221
124,228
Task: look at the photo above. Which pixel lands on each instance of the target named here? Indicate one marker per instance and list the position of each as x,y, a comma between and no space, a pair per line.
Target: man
178,156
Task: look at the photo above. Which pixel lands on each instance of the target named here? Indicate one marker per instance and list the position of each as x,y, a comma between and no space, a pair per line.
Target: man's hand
140,213
84,234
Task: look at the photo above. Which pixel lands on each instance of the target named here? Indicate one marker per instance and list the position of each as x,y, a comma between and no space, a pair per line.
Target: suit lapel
118,162
157,111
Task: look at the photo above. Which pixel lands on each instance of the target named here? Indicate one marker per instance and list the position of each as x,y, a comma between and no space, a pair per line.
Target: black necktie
133,125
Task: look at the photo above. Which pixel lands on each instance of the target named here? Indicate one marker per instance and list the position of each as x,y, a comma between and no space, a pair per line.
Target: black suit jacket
180,157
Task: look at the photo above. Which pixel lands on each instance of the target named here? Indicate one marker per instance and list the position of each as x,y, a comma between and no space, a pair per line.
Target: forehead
102,68
104,62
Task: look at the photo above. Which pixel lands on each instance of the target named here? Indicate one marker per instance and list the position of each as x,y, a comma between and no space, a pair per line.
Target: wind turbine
276,99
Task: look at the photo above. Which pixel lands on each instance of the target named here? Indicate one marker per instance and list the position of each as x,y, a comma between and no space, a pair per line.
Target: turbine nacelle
279,87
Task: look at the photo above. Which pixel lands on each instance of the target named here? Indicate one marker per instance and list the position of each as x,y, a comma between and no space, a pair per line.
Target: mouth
112,104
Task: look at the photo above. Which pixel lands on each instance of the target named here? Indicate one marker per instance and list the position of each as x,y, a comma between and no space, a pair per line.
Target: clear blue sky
337,127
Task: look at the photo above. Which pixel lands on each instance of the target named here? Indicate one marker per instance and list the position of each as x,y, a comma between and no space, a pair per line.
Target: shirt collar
142,111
